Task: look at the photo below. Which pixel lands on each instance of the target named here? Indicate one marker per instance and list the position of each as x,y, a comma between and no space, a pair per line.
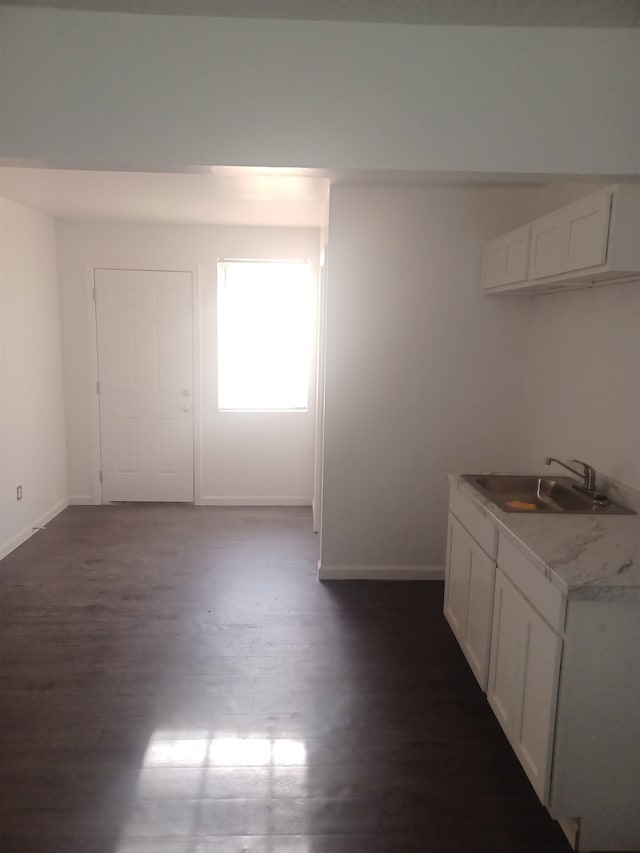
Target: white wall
423,372
136,90
244,456
32,438
582,381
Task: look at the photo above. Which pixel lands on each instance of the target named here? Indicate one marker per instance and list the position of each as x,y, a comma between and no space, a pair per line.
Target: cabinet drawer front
535,587
482,529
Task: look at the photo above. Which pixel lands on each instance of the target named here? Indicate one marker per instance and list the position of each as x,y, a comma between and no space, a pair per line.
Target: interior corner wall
582,381
100,89
245,457
582,372
32,429
423,371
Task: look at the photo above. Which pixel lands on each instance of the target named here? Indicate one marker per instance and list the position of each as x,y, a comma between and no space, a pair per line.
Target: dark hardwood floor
174,679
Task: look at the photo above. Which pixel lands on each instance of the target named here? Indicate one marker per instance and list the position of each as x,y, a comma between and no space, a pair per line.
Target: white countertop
584,556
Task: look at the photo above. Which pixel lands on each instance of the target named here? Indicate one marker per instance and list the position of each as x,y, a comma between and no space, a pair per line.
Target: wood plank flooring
174,679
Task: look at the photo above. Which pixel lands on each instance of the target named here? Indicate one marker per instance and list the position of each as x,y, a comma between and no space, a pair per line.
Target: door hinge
98,388
94,295
100,475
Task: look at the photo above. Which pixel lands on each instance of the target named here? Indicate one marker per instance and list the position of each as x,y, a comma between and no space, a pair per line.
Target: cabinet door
469,580
458,571
506,259
571,239
548,246
532,739
523,681
479,613
588,231
505,640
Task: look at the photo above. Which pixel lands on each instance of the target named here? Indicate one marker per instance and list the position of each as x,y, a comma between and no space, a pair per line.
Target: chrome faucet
588,474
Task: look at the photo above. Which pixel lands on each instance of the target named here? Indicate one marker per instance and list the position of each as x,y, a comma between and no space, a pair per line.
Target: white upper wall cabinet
591,241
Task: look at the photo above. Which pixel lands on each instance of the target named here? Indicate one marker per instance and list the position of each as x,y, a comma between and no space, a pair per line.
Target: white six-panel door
145,371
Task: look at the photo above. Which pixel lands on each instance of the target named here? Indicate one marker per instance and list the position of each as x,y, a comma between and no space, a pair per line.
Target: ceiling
555,13
212,197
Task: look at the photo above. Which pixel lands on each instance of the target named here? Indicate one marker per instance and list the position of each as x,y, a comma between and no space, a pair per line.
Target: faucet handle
589,475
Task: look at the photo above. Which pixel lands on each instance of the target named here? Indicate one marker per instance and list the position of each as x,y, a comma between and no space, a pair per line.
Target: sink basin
535,493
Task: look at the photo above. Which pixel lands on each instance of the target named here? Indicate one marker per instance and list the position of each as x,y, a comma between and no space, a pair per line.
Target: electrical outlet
19,493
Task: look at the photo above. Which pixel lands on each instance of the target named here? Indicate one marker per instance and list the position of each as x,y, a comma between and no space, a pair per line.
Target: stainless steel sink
518,493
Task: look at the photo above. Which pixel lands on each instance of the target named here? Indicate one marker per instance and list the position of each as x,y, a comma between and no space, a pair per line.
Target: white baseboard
268,500
381,573
83,500
28,531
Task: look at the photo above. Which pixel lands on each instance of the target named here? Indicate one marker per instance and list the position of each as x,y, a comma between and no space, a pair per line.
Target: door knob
186,408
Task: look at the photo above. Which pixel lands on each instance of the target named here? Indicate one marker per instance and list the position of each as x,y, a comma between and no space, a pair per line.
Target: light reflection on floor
201,749
195,785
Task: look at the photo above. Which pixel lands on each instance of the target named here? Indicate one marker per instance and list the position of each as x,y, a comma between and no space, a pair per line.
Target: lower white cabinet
561,675
470,575
523,680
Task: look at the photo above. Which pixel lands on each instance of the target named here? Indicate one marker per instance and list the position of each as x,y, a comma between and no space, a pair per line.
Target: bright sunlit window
264,335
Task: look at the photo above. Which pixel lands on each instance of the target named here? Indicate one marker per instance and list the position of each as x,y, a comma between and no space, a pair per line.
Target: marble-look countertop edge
577,537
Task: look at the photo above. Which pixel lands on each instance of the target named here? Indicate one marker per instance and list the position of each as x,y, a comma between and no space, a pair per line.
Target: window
264,335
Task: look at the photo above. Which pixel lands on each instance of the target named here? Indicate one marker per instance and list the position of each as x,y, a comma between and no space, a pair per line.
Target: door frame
96,497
